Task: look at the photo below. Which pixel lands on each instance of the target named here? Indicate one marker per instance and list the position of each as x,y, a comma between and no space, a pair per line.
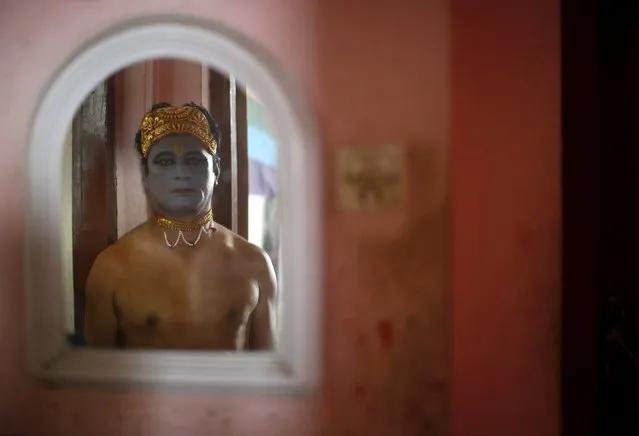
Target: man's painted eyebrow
163,155
195,153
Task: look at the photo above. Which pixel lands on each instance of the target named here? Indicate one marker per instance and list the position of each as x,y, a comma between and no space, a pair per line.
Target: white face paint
180,178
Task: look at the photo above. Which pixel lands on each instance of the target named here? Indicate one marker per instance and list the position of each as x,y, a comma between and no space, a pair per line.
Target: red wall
506,203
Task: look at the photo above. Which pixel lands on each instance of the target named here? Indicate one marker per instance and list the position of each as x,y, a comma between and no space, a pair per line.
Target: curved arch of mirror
279,131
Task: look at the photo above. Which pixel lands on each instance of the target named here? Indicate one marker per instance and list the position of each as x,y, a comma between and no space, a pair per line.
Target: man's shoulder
114,258
133,236
107,269
241,247
110,261
253,260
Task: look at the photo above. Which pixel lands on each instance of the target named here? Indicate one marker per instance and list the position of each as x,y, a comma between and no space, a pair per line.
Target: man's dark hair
215,131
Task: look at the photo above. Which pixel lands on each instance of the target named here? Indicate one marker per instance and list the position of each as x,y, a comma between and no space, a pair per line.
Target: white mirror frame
295,365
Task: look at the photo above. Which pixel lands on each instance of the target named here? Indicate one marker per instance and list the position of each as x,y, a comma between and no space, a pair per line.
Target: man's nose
181,172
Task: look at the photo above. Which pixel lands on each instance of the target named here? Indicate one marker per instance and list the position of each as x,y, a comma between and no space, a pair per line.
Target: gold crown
175,119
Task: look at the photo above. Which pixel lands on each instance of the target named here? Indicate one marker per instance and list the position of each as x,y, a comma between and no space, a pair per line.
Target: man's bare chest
184,293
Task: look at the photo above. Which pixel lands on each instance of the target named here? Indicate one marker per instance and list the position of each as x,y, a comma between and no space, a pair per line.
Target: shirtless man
180,280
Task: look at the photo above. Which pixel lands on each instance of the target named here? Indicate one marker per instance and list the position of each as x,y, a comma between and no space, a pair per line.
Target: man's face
180,177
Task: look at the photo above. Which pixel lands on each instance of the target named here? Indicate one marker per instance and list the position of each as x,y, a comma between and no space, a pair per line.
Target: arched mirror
174,215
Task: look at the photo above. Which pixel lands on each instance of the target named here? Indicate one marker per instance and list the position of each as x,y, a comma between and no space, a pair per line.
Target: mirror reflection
172,231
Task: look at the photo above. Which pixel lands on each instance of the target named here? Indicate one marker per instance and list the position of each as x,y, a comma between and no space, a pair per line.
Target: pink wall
369,72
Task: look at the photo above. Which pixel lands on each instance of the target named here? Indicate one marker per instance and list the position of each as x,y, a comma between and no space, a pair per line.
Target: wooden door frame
94,187
227,105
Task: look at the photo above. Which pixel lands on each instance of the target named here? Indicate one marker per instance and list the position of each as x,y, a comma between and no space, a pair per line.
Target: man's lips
183,191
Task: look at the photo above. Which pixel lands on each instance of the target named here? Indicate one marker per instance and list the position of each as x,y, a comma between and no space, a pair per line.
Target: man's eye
165,162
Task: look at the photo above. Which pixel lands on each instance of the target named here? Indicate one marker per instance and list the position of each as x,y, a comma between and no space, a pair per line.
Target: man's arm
262,333
100,322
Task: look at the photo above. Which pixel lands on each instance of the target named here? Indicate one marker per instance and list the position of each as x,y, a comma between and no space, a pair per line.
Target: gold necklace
181,226
185,226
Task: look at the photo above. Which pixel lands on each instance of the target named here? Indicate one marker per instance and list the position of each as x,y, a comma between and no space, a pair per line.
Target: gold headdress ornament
175,119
